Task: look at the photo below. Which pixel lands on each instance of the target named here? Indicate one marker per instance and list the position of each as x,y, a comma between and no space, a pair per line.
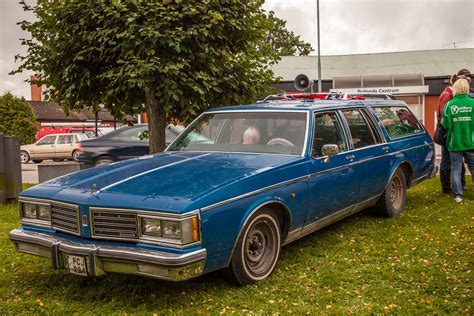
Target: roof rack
310,97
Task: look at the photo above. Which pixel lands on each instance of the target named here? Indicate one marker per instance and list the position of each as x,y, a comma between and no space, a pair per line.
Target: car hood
169,180
27,147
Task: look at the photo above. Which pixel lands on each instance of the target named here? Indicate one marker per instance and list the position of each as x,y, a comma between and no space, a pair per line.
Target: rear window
398,121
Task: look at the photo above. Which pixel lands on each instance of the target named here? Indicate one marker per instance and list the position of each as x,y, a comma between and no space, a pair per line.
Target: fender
254,207
394,169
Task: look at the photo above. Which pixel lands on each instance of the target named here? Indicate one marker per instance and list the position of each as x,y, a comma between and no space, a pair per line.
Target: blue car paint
179,182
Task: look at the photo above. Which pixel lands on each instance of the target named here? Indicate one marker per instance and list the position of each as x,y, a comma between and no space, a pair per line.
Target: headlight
183,231
29,210
151,226
171,229
43,212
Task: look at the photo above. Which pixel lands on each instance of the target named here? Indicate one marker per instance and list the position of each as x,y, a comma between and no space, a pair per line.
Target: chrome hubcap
23,157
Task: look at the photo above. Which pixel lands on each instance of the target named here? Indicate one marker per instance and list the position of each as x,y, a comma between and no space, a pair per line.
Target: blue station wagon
230,191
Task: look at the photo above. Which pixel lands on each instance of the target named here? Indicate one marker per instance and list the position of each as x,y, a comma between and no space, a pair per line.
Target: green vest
458,120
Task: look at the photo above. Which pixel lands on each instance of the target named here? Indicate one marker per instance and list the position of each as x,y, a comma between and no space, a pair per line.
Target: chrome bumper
102,259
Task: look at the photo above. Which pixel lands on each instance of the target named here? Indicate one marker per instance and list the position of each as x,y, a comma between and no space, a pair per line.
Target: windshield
256,132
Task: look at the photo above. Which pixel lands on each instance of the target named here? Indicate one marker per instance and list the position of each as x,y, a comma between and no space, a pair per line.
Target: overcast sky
347,27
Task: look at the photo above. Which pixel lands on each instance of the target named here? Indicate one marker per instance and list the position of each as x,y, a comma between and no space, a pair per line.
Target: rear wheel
75,155
37,160
392,202
24,156
104,160
257,249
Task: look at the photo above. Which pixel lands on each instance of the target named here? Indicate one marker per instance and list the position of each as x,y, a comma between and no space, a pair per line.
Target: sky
347,27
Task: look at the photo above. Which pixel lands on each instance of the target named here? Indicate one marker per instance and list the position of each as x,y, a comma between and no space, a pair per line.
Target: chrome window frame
380,124
341,125
305,143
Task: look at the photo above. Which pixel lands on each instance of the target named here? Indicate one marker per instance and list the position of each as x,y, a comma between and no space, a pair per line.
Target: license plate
77,265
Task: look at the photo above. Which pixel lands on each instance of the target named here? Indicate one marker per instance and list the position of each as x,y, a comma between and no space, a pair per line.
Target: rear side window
361,132
398,121
130,134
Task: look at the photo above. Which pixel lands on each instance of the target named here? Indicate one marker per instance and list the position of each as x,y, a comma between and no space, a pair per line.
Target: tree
17,118
171,58
280,40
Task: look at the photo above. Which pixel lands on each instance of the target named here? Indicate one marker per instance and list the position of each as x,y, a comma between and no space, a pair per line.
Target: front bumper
100,259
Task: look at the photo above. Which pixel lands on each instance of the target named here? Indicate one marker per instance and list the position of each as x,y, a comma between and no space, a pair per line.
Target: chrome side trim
146,172
253,193
330,219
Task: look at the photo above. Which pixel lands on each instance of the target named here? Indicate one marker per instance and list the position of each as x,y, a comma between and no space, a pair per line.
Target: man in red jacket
445,165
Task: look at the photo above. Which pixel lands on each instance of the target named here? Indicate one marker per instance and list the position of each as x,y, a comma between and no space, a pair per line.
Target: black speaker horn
302,83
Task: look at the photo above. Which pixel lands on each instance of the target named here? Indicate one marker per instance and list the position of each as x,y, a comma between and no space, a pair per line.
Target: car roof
83,134
308,105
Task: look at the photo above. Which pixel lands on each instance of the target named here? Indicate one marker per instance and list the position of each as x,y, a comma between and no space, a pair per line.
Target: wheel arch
278,206
407,169
105,155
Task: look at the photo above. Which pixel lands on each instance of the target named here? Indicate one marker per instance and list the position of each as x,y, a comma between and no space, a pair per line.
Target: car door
334,181
45,147
129,143
64,146
370,151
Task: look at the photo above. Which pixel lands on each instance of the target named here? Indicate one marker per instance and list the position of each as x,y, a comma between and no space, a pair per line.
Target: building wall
431,107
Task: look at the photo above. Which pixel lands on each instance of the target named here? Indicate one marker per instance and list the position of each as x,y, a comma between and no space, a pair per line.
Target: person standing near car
445,165
458,120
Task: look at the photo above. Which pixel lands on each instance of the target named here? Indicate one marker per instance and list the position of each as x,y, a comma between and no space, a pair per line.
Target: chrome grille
65,218
114,224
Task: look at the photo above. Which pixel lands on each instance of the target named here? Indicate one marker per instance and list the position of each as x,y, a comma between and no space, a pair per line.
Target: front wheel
393,199
257,249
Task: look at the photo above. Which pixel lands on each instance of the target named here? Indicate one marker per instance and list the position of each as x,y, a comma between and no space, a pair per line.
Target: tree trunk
156,121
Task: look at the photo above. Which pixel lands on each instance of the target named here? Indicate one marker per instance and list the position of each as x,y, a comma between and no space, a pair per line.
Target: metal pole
320,88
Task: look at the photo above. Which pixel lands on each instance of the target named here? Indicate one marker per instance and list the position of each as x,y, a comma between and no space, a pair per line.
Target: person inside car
251,136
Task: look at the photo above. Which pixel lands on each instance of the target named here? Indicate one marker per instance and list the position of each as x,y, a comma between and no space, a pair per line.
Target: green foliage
171,58
17,118
416,264
282,41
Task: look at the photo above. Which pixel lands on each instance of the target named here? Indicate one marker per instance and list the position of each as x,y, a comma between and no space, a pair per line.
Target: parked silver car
53,146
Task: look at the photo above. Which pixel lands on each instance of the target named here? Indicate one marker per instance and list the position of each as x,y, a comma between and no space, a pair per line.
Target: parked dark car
124,143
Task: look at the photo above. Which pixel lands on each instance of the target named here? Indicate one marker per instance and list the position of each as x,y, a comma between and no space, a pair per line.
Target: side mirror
329,150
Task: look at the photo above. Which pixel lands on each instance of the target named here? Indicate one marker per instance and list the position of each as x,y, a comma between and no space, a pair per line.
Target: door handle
350,157
385,149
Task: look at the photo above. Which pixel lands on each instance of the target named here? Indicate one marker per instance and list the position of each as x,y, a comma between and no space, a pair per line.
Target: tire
393,199
24,156
257,249
75,155
37,160
104,160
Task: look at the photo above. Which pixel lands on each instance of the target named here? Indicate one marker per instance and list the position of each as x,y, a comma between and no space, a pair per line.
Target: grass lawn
420,263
